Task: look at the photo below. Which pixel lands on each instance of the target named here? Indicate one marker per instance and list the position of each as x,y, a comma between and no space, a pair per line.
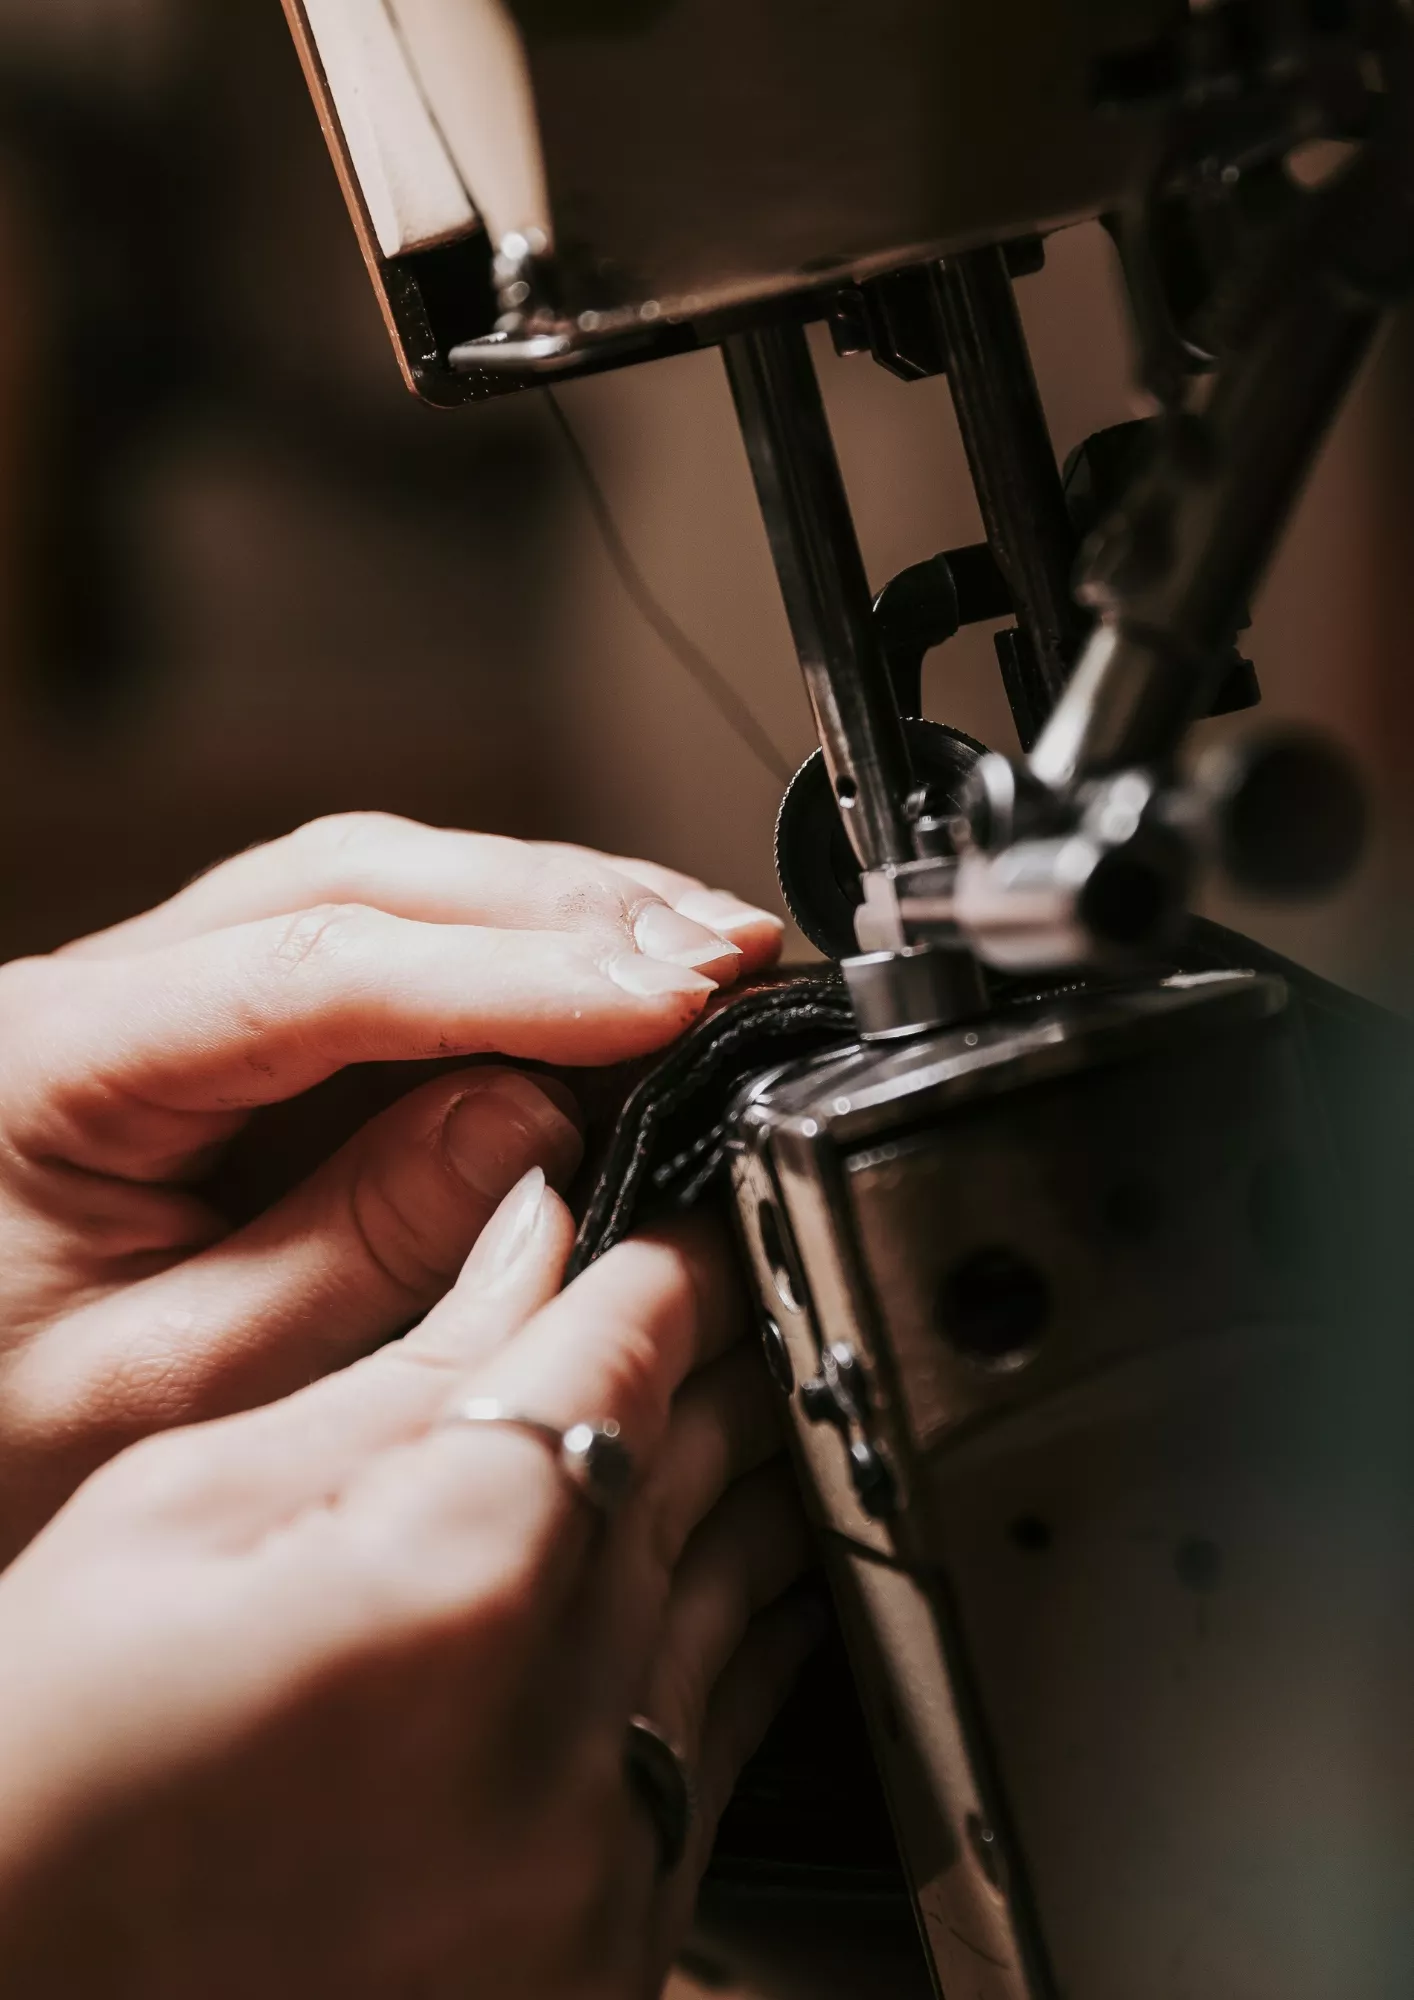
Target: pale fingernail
665,934
724,912
649,979
511,1230
503,1125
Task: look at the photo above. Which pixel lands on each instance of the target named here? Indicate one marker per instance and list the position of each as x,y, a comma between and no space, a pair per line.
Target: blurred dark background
244,579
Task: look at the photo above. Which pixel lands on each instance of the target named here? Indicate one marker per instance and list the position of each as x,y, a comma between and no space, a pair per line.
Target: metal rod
1154,663
1191,542
823,581
1009,450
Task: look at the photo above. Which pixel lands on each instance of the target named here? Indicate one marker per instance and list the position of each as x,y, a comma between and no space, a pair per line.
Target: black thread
709,679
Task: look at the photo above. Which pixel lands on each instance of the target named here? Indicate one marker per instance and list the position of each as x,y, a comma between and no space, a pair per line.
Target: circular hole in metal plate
994,1307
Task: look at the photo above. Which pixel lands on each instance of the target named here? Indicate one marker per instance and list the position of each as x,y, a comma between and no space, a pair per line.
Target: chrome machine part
819,871
827,597
962,319
1100,1438
903,989
1013,466
1171,573
830,608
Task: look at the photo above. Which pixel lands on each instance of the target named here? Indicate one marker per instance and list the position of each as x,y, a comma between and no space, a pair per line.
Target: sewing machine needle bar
1009,450
823,581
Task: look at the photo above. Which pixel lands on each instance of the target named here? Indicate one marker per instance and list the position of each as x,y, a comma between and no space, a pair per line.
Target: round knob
1289,812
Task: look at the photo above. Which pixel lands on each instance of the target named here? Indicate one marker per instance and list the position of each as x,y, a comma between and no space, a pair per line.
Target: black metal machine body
1093,1328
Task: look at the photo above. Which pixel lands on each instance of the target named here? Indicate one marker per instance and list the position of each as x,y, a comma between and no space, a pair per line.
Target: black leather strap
666,1147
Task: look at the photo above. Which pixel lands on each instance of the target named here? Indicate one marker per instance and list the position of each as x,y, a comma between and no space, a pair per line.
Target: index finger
443,876
117,1062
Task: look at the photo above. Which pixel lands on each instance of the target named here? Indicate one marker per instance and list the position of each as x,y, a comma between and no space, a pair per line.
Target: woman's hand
330,1700
131,1060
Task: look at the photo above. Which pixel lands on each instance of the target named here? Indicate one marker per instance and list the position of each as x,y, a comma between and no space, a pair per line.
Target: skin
329,1699
136,1059
305,1689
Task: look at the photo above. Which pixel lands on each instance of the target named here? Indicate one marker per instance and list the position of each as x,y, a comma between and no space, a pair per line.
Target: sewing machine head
614,179
544,190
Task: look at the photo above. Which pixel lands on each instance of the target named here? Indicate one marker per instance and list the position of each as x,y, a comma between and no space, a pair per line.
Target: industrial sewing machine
1083,1255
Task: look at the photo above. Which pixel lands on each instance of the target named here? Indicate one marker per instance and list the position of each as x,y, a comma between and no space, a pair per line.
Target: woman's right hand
328,1701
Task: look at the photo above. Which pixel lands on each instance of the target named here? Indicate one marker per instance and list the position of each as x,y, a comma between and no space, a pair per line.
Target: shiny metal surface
592,1457
660,1779
901,992
1014,471
827,595
1153,1466
1171,574
944,1816
1154,661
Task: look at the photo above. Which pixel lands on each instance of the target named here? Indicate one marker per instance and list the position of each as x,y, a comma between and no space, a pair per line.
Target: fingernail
674,939
511,1230
724,912
505,1124
650,979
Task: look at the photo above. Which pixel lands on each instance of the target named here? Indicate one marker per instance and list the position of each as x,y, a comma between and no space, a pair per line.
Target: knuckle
634,1380
582,893
350,836
315,936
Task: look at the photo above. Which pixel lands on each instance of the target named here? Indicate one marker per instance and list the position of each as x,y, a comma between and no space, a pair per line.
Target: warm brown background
243,579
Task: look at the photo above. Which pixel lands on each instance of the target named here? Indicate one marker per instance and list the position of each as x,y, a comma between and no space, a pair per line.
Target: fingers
516,1269
750,1693
440,877
725,1424
648,1315
359,939
367,1479
747,1553
747,1698
626,1336
130,1065
376,1237
757,933
616,1345
250,1474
